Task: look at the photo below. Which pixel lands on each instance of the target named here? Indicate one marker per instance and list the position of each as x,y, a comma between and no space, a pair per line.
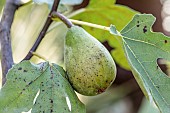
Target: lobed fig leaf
25,79
143,48
90,67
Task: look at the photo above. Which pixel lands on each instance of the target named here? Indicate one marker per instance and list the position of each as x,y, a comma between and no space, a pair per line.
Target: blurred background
124,96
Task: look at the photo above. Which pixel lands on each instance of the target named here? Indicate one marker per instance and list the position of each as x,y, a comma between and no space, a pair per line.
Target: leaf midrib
145,72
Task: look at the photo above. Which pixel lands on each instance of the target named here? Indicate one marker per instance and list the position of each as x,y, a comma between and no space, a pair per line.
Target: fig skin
89,66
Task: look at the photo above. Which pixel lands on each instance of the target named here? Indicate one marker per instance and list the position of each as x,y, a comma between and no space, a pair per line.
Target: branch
43,31
5,38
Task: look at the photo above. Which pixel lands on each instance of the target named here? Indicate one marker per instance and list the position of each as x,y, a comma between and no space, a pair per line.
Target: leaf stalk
90,24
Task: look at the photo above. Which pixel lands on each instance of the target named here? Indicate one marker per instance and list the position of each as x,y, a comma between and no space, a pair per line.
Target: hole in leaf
36,96
164,65
68,103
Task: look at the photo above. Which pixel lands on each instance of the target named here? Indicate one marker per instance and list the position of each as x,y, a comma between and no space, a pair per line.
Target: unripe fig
90,67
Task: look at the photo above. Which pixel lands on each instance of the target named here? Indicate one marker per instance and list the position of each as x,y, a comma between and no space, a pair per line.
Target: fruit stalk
64,19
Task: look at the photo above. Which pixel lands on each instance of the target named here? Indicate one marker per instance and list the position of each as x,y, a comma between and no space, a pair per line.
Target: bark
5,38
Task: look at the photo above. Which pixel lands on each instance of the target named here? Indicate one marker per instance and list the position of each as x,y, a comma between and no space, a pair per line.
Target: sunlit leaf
101,3
2,2
27,24
25,79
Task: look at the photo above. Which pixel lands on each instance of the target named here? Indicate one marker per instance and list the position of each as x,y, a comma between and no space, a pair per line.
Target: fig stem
90,24
64,19
38,55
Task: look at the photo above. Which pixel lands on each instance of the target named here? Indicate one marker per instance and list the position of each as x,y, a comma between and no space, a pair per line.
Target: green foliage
143,48
2,2
24,81
106,13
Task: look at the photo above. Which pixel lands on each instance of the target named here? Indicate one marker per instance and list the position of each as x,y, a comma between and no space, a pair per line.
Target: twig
62,18
5,38
43,31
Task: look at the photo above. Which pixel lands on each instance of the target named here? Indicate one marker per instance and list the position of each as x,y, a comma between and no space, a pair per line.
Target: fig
89,66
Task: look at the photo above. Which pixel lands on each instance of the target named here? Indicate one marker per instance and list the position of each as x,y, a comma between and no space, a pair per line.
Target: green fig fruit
89,65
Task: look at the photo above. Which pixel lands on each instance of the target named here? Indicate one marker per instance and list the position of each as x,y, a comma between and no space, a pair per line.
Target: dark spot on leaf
106,81
157,67
24,80
51,101
30,83
25,70
137,25
19,68
51,110
137,21
157,86
145,29
166,41
42,90
24,89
